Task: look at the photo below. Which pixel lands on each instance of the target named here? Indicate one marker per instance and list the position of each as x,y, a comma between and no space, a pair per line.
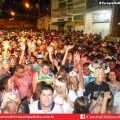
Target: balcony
76,2
79,9
59,12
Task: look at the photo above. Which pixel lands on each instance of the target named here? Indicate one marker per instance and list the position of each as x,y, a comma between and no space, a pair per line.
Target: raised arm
23,53
5,45
82,83
29,49
66,53
104,104
50,50
34,82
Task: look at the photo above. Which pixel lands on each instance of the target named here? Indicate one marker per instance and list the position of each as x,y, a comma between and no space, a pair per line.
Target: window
62,5
79,17
60,19
69,1
69,19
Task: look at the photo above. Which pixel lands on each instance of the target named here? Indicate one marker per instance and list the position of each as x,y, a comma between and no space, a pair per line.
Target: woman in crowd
81,105
103,104
8,87
114,84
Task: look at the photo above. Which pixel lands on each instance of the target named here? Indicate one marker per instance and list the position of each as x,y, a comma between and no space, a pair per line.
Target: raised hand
77,57
107,95
6,44
70,47
29,44
50,49
22,46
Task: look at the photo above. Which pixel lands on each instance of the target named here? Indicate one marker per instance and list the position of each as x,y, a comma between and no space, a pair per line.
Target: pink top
22,84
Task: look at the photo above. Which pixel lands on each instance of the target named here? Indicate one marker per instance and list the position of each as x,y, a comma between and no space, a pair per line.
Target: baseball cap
73,74
28,62
40,56
4,62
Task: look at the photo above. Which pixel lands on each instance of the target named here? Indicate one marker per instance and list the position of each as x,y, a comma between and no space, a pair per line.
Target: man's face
86,71
46,98
29,67
20,73
40,61
112,65
45,69
12,62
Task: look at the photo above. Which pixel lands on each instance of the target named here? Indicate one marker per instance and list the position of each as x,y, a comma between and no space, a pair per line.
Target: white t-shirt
65,105
35,108
73,96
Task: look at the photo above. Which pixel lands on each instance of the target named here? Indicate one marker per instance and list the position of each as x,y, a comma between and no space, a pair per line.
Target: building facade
67,14
88,15
98,18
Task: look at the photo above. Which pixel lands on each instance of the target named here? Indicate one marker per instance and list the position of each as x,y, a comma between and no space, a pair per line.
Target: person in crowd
35,96
88,77
81,105
114,66
7,86
40,59
103,104
21,80
114,84
98,86
12,64
9,104
5,69
43,74
45,104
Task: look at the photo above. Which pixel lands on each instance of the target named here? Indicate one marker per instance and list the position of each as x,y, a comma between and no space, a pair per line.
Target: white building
67,14
98,18
87,15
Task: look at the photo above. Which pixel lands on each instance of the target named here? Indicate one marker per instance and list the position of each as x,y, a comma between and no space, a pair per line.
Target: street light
27,5
12,13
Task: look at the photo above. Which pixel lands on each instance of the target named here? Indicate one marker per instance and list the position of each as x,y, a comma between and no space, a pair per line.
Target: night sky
18,6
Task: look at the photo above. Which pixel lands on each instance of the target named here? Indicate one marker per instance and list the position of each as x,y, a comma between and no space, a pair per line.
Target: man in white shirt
46,103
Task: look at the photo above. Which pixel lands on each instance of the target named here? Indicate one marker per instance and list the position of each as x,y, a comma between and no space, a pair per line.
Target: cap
59,83
40,56
73,74
4,62
7,98
28,62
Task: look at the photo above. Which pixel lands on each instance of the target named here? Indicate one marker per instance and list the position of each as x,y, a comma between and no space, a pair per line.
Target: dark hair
46,87
112,60
45,63
115,74
19,66
92,57
86,64
4,82
38,89
109,101
81,105
99,56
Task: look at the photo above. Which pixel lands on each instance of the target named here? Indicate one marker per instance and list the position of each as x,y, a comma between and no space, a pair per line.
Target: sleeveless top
47,78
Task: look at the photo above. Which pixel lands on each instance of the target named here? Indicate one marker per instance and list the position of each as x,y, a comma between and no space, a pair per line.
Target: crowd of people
58,72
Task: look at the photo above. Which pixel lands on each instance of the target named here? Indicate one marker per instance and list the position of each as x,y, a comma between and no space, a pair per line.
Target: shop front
98,22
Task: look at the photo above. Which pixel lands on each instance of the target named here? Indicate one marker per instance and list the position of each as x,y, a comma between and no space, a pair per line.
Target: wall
14,24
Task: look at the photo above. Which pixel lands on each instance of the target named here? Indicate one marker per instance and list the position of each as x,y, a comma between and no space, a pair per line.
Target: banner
60,116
